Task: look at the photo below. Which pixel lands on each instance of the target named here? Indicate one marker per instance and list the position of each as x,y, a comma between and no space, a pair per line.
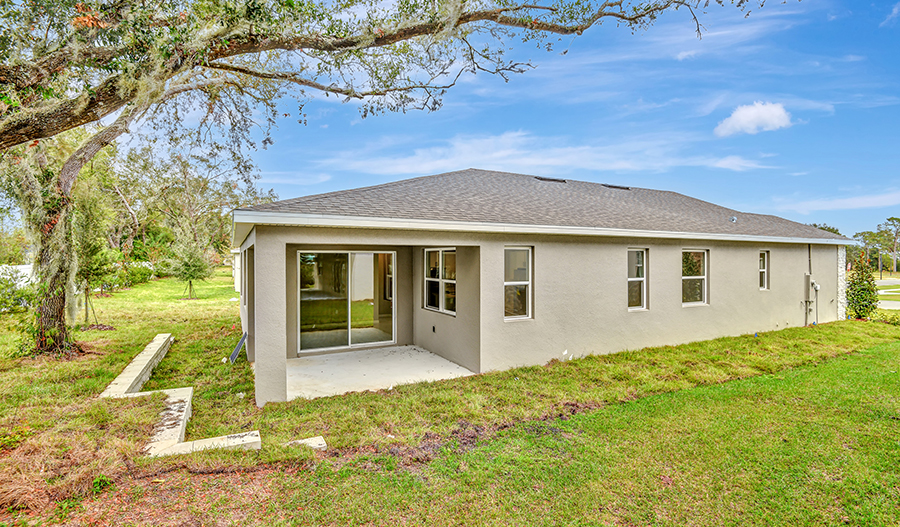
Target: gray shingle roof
483,196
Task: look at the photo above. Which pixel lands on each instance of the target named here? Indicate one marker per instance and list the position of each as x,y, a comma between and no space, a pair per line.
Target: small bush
888,318
139,274
862,295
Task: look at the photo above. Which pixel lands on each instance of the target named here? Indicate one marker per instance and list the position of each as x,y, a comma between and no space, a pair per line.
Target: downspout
806,299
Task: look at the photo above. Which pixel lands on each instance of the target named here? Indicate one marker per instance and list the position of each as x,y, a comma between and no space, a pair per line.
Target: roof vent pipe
733,219
551,179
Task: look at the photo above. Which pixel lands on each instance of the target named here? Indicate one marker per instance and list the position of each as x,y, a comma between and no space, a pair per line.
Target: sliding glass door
346,299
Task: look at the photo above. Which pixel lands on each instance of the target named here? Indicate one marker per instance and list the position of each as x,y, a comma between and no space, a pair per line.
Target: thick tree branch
48,121
118,90
73,165
330,88
34,73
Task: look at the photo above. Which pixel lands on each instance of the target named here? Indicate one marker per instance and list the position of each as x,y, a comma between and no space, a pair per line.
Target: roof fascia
245,219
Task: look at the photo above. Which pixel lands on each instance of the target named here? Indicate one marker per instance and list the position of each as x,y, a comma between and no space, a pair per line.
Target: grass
895,297
332,314
815,445
395,449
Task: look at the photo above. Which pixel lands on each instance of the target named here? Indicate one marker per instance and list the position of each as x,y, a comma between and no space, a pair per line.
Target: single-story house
494,270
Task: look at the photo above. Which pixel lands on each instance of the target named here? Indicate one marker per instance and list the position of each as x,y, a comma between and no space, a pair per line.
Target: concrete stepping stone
316,443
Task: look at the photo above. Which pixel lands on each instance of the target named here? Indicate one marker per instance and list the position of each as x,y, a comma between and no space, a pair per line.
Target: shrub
862,295
138,274
15,295
888,318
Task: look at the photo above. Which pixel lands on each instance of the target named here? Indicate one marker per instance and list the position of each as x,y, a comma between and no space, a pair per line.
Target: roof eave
244,220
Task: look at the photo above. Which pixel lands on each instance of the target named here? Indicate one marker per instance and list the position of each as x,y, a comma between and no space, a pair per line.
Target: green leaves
862,295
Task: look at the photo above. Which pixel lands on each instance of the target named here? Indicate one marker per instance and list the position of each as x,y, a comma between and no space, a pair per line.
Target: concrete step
168,436
140,368
246,441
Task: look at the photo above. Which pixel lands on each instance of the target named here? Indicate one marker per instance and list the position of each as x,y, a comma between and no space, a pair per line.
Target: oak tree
68,63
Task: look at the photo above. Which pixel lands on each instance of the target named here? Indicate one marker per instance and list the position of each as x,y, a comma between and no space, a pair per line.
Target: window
637,278
693,277
339,301
517,282
389,280
440,280
763,269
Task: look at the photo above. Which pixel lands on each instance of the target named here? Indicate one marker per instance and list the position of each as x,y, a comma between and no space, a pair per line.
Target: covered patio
316,376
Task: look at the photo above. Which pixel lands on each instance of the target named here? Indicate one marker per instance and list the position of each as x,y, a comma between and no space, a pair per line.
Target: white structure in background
25,273
236,268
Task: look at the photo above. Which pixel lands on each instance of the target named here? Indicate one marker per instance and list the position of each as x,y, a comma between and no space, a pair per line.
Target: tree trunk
54,267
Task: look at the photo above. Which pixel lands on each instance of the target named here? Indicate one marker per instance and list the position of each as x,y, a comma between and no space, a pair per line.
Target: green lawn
656,436
322,314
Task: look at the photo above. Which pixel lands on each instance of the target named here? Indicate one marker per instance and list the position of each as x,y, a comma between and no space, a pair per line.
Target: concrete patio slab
888,304
375,369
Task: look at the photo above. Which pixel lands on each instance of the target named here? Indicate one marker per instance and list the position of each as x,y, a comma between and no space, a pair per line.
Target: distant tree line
880,246
136,213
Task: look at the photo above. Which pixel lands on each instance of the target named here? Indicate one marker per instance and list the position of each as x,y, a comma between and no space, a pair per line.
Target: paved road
889,304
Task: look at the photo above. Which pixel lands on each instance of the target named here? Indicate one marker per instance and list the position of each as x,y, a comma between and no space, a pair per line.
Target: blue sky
794,111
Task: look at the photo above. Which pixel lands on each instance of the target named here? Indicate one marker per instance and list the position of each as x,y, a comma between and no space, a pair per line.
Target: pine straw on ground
99,438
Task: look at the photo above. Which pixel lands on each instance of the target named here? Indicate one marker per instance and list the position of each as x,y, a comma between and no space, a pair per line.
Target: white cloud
292,178
754,118
895,12
521,151
738,164
798,173
870,201
687,54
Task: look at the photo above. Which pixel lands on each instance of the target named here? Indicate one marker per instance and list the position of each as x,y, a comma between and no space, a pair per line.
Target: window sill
694,304
638,309
516,319
438,311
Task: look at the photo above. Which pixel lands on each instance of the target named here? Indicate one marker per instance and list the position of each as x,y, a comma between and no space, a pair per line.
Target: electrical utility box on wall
809,285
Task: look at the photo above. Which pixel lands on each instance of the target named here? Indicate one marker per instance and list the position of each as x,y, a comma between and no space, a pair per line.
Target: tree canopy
65,64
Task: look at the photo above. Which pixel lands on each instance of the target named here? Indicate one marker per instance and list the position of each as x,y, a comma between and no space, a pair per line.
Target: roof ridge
334,193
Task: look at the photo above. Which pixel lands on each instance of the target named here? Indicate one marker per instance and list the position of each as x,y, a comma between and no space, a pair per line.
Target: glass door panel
323,300
371,311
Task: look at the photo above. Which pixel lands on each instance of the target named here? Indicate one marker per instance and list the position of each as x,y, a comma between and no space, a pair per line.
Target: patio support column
271,308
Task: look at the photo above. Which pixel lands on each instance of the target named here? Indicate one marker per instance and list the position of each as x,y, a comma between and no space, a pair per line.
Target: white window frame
643,306
526,283
765,270
349,253
704,276
441,281
244,277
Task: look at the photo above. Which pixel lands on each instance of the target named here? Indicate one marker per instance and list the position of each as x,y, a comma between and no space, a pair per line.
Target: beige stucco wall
579,295
456,338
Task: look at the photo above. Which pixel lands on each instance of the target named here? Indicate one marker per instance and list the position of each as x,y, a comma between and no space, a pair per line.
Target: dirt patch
466,436
98,327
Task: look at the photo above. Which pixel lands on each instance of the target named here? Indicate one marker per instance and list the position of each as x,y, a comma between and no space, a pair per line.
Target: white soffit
244,221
